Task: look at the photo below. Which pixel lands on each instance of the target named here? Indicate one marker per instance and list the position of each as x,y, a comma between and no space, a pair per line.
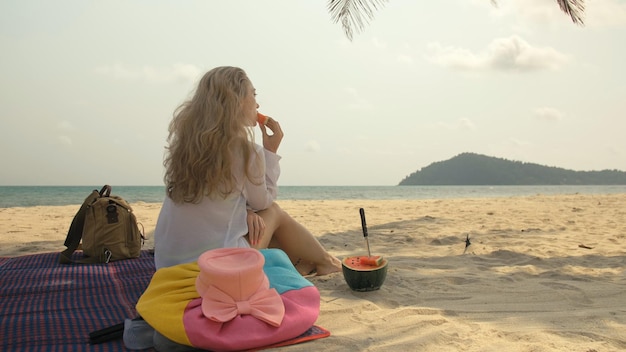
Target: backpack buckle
107,256
111,213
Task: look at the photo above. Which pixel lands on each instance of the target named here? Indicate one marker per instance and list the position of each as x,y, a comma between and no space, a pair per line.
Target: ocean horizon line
26,196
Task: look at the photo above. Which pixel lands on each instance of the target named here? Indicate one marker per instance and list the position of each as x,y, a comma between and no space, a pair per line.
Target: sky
88,88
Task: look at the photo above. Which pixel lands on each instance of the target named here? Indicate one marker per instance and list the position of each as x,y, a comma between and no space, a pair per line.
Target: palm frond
353,14
574,8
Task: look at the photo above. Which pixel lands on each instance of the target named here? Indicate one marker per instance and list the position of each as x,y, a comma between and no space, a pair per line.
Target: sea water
27,196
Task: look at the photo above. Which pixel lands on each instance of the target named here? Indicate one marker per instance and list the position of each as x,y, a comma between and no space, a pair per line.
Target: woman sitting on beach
221,186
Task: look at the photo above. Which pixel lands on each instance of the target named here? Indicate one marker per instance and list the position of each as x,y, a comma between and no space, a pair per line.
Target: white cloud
344,151
528,11
460,124
548,114
65,140
504,54
514,53
519,143
466,124
405,59
66,126
356,102
613,150
118,71
605,13
452,57
177,72
313,146
378,44
597,12
539,11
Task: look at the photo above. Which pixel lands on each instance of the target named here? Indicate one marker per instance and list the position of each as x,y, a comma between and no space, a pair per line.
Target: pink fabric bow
265,305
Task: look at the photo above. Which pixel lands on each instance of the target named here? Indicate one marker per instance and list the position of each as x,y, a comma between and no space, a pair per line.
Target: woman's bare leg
283,232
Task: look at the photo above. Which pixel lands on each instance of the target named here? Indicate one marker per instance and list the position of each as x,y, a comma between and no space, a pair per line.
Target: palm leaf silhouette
356,14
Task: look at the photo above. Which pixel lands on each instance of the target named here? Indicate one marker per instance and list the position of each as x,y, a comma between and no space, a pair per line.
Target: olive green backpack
107,227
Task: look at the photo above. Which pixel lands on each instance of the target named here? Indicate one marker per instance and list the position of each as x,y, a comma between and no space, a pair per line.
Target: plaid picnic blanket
49,307
46,306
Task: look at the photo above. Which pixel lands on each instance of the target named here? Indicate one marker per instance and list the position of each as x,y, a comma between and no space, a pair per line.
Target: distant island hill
475,169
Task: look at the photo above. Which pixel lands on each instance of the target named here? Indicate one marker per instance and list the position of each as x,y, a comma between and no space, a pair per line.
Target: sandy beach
542,273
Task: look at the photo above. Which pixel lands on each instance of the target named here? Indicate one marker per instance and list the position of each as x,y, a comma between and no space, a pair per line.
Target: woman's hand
256,228
271,142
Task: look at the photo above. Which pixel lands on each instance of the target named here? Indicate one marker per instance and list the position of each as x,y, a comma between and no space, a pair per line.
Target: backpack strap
110,333
75,233
105,191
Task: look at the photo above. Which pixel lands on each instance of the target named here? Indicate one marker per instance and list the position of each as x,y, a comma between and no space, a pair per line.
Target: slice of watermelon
375,260
364,263
262,118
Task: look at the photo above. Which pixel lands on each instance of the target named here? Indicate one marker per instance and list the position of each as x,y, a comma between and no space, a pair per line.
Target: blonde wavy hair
208,136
